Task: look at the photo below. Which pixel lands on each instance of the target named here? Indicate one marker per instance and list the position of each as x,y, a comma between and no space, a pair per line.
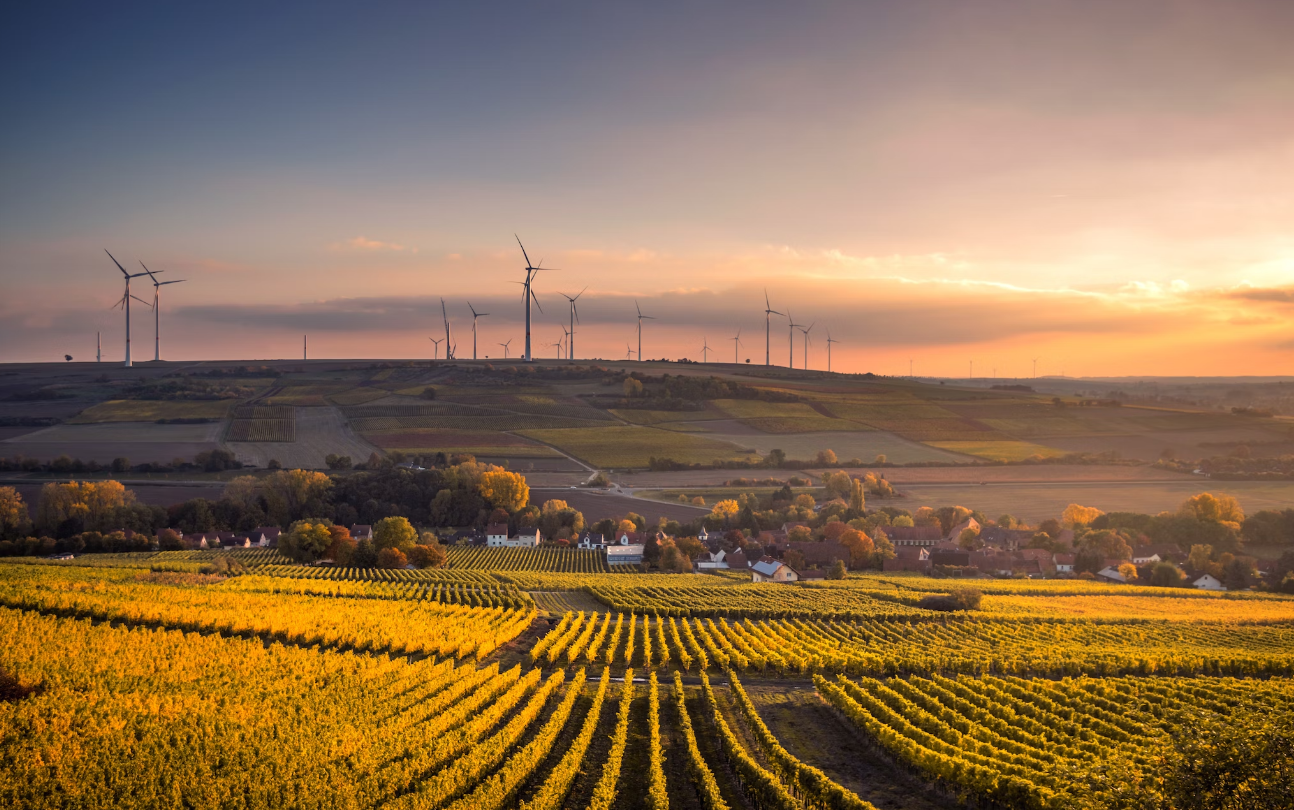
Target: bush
837,570
958,599
391,558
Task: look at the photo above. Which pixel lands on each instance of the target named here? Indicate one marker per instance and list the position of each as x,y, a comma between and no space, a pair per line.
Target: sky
947,187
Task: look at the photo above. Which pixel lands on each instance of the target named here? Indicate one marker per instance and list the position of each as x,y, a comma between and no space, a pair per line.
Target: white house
1064,563
591,540
771,570
496,534
361,531
624,554
710,560
1145,559
1209,583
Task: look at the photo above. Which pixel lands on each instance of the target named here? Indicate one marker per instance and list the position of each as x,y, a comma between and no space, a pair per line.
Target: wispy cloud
364,243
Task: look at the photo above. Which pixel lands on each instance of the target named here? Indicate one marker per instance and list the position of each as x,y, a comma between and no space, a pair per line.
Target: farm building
265,536
496,534
909,558
1111,574
771,570
1208,582
1064,563
710,560
361,531
913,535
592,540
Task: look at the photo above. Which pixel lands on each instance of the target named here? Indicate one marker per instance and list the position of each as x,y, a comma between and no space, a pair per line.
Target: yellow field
752,408
1141,607
999,450
632,446
141,410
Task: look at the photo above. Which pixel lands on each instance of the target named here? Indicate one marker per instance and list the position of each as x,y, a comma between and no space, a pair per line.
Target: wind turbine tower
736,343
769,312
98,342
528,293
305,348
449,339
157,308
641,318
475,315
125,301
830,340
790,362
436,343
575,318
705,350
807,341
505,348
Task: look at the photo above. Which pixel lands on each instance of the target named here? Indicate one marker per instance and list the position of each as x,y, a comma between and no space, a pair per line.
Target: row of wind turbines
567,342
124,304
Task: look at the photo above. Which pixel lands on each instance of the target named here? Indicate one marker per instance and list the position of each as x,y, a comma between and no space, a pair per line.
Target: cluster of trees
395,544
208,461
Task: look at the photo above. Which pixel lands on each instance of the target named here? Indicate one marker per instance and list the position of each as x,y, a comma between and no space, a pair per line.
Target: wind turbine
830,340
807,341
528,293
1035,363
792,326
736,342
505,348
569,337
558,346
705,350
769,312
157,307
641,318
437,342
449,339
475,315
629,352
124,303
575,317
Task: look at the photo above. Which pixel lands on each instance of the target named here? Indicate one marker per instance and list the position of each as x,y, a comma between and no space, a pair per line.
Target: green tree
1165,575
394,532
837,570
305,541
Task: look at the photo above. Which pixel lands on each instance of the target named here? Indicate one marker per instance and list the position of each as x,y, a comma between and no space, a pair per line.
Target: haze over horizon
1103,185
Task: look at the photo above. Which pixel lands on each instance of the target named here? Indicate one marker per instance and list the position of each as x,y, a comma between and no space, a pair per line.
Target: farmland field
1000,450
863,444
140,410
102,442
632,446
318,432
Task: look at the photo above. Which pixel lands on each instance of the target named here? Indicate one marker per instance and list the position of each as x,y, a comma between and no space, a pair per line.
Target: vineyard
263,423
288,685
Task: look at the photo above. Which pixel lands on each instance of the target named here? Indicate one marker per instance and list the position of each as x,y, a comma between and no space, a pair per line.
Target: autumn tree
170,540
558,520
969,540
1129,572
837,570
95,504
342,548
1075,515
860,547
826,458
394,532
391,557
295,494
14,520
799,534
1165,575
794,559
305,541
1211,508
838,484
857,499
503,489
725,510
428,553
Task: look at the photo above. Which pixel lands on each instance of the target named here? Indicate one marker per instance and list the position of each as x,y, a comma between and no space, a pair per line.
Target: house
66,555
913,535
955,533
737,560
710,560
909,559
202,540
1111,574
466,537
361,531
624,553
265,536
957,558
1007,539
1064,563
1142,556
525,538
496,534
1158,552
709,537
235,540
1030,568
591,540
771,570
1209,583
822,555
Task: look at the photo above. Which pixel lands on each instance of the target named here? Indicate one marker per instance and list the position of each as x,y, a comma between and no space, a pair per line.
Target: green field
801,424
150,410
632,446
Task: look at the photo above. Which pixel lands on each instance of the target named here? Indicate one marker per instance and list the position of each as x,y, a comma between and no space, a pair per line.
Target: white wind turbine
505,348
736,343
124,303
437,344
769,312
528,293
558,346
793,326
641,318
575,318
807,341
629,352
475,315
830,340
705,350
449,338
157,308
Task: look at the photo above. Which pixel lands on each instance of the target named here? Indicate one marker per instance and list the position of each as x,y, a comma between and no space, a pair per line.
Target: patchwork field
865,445
103,442
632,446
139,410
319,432
1000,450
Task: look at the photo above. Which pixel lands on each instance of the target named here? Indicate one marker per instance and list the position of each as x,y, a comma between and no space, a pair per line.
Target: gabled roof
497,528
767,566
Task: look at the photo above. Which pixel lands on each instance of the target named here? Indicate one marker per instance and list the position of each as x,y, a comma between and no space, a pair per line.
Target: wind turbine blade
523,250
174,281
142,301
536,300
114,261
149,272
640,312
575,310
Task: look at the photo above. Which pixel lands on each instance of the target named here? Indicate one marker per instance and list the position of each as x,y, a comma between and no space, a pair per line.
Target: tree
799,534
1211,508
342,548
503,489
826,458
881,459
428,554
837,570
1075,515
305,541
1244,760
884,549
795,559
391,557
14,520
775,457
1237,574
365,555
903,521
295,494
857,500
394,532
691,547
1165,575
1129,572
1200,557
96,505
970,540
1089,560
170,540
838,484
1109,543
860,547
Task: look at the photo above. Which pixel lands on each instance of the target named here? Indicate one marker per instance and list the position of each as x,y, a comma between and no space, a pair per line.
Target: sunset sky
1108,186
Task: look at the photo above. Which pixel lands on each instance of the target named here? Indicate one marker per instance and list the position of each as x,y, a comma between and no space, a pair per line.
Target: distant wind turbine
1035,366
792,326
157,308
528,293
830,340
769,312
505,348
736,342
475,315
807,341
449,339
705,350
437,343
575,318
641,318
629,352
558,346
124,303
